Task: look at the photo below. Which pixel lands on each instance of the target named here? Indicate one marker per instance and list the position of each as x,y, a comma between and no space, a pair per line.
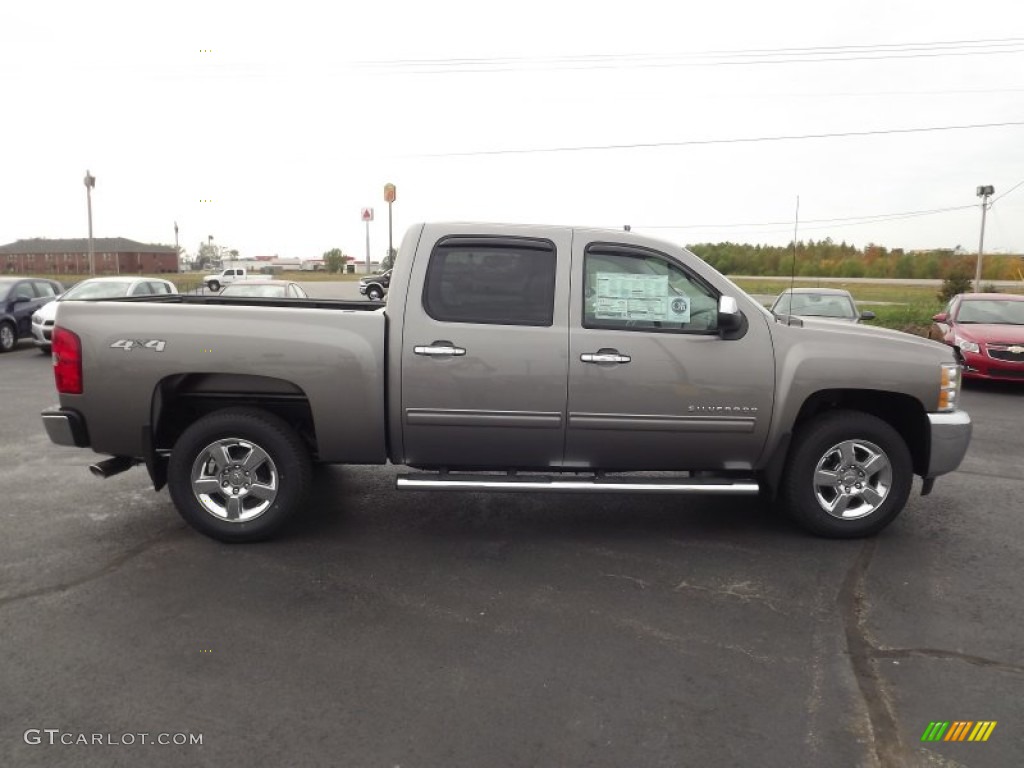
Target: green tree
334,260
955,282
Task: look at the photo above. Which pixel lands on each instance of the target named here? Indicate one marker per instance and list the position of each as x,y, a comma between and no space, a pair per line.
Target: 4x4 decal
129,344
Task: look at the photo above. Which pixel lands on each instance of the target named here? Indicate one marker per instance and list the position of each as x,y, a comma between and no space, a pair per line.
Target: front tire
45,350
373,293
239,474
848,476
8,337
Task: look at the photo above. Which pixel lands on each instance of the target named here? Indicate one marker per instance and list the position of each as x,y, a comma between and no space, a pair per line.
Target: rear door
484,366
652,384
25,300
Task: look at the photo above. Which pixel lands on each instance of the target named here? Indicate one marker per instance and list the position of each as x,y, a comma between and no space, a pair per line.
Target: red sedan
986,330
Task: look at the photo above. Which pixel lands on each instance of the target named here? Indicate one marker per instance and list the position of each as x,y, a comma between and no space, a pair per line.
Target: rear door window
497,281
44,289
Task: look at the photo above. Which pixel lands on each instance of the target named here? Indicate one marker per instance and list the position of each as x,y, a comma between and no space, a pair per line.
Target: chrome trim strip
444,417
662,423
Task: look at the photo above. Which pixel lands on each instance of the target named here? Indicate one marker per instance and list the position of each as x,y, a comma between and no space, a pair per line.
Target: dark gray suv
19,298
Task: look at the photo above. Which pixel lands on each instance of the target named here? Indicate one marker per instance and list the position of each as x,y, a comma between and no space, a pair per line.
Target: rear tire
46,350
849,475
214,286
239,474
8,337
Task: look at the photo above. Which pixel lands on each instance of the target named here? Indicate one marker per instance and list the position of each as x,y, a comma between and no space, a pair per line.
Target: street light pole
984,193
90,182
389,198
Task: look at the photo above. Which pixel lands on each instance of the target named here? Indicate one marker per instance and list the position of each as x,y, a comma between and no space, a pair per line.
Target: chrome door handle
440,349
604,357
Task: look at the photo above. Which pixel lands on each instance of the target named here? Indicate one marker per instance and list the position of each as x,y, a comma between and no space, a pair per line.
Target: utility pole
90,182
984,193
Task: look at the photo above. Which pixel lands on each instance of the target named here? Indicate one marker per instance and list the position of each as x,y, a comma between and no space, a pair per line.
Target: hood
48,311
859,332
991,332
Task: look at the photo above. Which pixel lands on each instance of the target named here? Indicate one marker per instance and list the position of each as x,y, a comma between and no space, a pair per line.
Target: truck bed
142,355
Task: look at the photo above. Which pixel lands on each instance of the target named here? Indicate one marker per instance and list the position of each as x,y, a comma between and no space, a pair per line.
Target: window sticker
638,297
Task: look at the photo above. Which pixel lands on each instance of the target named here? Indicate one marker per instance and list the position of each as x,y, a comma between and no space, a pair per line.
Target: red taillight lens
67,361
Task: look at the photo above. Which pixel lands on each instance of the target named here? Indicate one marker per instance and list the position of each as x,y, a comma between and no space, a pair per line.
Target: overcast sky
290,116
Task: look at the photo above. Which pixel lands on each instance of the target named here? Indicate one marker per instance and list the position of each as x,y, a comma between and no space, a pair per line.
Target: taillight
67,361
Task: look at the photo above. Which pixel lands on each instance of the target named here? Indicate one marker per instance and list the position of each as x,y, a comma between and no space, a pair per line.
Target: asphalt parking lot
410,629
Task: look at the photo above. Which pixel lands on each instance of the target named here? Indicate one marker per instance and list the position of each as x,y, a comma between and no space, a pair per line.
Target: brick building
113,255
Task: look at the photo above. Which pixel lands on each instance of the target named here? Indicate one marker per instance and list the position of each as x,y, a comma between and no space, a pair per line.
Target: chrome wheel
852,479
234,480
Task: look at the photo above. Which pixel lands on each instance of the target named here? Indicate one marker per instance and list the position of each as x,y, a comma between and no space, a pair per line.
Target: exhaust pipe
112,466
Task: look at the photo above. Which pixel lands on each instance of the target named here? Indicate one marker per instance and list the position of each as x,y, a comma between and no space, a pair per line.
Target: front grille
1002,352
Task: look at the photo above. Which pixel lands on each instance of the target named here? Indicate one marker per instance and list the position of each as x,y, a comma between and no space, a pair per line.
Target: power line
719,57
483,69
1011,189
866,219
736,140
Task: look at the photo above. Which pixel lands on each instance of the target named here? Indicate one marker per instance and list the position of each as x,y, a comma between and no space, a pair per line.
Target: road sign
389,193
366,214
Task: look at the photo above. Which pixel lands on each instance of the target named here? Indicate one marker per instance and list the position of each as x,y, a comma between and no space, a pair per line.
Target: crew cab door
484,350
652,383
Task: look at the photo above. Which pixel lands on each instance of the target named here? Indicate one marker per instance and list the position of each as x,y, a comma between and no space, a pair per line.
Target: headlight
966,346
949,386
37,319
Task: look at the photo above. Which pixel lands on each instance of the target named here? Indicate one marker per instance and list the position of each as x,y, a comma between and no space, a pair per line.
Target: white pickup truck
225,276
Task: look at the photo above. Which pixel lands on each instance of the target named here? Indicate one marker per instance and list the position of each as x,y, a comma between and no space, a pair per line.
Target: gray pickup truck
510,358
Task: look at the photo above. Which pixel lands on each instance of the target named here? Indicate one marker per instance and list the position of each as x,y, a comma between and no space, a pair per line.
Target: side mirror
730,319
942,317
867,315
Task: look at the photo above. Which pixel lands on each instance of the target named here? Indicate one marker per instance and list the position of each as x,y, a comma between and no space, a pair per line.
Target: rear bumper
65,427
950,436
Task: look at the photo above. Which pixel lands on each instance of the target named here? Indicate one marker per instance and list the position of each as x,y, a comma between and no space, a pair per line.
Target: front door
484,352
652,384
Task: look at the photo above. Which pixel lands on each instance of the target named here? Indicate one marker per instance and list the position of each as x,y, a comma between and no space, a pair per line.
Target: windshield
814,305
87,290
994,311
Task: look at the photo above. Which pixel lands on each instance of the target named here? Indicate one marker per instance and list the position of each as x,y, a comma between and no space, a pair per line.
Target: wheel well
904,413
182,399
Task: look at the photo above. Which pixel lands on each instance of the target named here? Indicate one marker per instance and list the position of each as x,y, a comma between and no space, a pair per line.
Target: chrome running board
429,481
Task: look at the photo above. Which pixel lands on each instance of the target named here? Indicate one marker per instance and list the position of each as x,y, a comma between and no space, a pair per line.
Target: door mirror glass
867,315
